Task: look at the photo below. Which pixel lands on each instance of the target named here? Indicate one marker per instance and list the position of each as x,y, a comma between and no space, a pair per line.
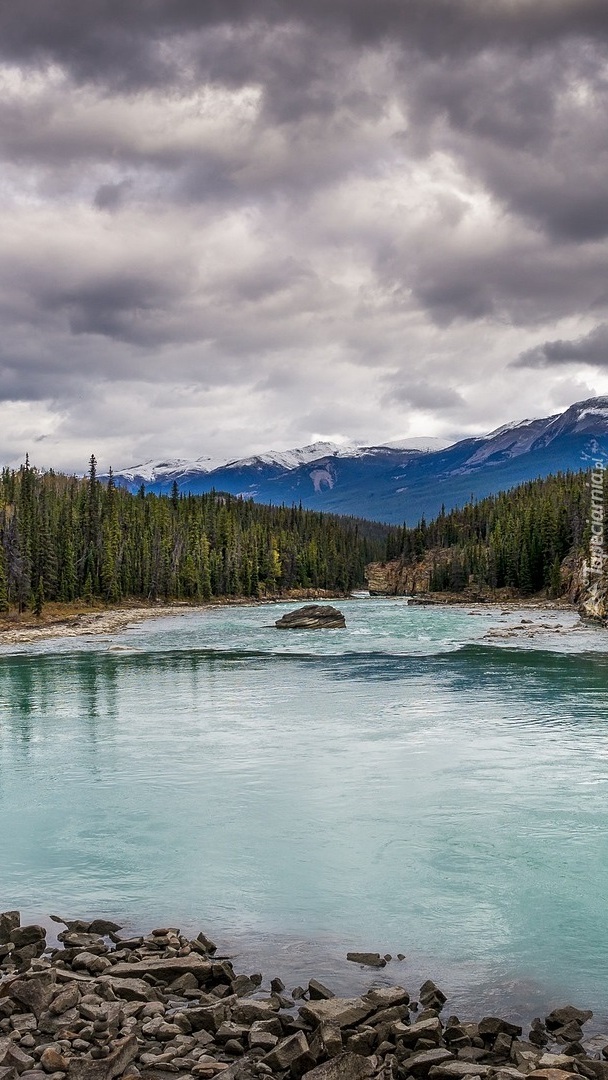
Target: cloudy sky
234,225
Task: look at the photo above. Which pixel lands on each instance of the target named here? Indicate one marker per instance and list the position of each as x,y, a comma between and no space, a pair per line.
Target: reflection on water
447,802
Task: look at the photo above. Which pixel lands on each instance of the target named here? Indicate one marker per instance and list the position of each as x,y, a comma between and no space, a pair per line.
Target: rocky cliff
395,579
588,595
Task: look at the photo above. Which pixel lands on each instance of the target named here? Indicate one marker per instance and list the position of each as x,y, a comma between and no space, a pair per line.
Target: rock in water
312,617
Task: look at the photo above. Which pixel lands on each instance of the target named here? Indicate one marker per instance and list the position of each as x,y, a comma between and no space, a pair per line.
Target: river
430,781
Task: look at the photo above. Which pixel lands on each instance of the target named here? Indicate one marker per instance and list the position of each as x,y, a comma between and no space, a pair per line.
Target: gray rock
66,999
123,1052
206,942
159,1029
506,1072
245,1012
24,1023
168,968
572,1032
420,1064
326,1041
9,921
52,1025
318,992
22,936
77,925
555,1061
129,989
524,1057
230,1030
459,1070
96,965
22,957
262,1040
430,996
390,1016
72,940
208,1017
502,1045
12,1057
598,1068
368,959
345,1012
286,1052
456,1037
384,997
36,992
472,1053
561,1017
312,617
492,1026
344,1067
425,1029
103,927
234,1047
363,1042
242,986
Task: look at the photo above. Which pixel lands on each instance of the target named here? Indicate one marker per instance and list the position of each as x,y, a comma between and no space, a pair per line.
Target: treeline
517,538
65,539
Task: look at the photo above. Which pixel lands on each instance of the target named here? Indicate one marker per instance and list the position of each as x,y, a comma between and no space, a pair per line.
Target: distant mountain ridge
395,482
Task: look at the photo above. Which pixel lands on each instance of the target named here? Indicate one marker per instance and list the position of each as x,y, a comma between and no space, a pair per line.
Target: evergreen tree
39,598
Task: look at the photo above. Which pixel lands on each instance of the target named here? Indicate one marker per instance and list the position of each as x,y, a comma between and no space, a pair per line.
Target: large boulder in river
312,617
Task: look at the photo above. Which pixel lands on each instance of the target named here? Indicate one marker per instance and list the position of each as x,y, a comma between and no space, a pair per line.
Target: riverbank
79,619
99,1005
507,603
83,620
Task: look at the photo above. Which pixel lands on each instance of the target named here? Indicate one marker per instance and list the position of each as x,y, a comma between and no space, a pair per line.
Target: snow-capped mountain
152,472
291,459
401,481
162,472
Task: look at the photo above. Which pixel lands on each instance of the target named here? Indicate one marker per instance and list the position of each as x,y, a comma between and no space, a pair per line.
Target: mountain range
396,482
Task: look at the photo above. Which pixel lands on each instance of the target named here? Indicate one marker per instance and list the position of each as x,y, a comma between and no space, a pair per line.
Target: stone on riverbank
368,959
312,617
345,1012
162,1009
9,921
344,1067
167,967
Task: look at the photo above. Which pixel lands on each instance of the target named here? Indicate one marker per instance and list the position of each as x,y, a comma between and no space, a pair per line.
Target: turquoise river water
430,781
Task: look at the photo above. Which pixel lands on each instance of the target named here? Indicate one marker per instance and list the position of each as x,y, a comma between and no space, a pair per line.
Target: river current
428,781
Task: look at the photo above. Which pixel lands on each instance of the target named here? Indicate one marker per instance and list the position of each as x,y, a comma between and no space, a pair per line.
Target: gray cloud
425,395
240,223
111,196
591,348
136,43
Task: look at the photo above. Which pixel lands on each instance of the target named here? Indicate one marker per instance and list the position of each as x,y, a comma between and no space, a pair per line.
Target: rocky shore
99,1006
57,623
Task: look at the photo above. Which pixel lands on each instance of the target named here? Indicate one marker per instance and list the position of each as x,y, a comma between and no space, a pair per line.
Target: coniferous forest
65,539
71,539
515,539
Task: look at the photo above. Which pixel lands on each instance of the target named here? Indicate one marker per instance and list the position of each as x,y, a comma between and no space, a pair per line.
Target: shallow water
409,784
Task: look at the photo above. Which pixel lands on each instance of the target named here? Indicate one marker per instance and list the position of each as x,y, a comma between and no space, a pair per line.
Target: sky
229,226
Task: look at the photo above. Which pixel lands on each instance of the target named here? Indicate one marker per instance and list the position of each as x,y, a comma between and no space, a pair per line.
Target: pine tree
555,581
39,598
